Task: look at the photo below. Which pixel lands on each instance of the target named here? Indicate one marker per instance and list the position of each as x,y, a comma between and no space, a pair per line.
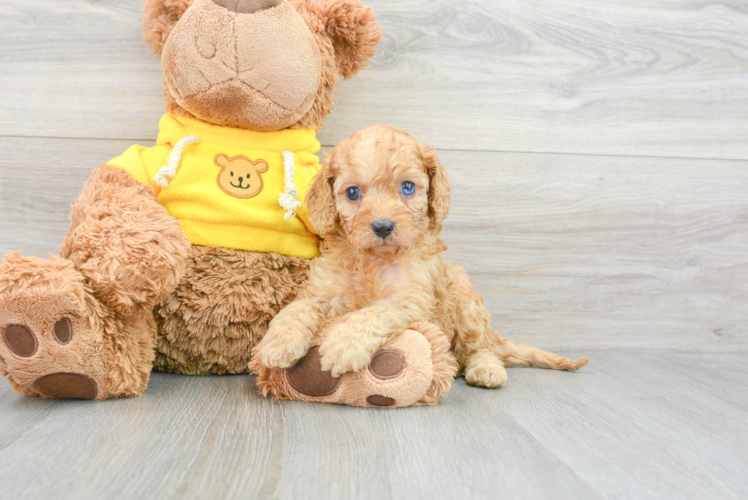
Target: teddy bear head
258,64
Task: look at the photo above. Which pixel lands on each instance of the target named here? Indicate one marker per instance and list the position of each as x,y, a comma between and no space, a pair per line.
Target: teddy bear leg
415,367
58,341
222,307
82,326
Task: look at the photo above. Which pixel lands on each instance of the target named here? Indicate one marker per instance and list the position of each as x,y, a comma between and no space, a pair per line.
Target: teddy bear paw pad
377,400
67,386
308,378
63,331
387,364
20,340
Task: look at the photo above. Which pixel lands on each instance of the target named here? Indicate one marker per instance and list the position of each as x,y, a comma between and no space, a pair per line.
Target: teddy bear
179,255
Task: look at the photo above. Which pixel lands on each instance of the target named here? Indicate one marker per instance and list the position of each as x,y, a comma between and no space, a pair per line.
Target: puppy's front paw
342,354
281,347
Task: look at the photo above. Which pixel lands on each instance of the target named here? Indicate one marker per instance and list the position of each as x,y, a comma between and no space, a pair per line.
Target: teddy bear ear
354,32
159,18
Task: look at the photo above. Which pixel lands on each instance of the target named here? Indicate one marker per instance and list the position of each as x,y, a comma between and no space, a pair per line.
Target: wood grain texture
662,78
628,426
605,252
602,249
570,252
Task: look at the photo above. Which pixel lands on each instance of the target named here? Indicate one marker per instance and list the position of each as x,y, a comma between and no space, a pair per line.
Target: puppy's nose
383,227
247,6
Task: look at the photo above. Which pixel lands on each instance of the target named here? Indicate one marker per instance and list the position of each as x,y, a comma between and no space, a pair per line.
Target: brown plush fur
221,308
132,252
125,254
443,360
382,286
159,18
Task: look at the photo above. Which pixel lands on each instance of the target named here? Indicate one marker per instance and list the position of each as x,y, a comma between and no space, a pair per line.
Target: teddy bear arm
127,246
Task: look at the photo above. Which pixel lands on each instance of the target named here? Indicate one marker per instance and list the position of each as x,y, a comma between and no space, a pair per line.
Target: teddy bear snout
259,70
247,6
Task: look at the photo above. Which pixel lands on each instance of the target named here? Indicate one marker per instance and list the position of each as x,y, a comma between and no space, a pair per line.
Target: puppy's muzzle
383,228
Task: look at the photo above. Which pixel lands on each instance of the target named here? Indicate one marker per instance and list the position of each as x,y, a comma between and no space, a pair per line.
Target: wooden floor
599,156
633,425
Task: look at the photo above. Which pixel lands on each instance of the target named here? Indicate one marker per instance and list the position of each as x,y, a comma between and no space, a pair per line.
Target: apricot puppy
379,202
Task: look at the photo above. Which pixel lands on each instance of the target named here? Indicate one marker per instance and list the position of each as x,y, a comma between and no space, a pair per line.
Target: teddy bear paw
49,345
400,374
378,384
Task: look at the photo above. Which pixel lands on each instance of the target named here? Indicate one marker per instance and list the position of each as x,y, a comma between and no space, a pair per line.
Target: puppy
379,203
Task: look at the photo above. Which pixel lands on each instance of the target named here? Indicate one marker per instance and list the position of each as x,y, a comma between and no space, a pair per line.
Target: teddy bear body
141,282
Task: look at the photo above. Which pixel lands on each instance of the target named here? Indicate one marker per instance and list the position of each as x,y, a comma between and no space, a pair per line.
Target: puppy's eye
408,188
232,174
353,193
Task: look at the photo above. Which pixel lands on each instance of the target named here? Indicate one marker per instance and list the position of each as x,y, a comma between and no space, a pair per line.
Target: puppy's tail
512,354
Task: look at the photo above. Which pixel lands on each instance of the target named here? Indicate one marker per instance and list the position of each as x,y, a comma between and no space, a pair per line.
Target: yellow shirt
226,187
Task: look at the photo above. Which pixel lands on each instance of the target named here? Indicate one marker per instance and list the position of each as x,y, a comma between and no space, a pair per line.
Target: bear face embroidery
240,177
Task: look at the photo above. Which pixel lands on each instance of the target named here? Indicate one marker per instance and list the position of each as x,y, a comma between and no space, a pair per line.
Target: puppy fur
382,286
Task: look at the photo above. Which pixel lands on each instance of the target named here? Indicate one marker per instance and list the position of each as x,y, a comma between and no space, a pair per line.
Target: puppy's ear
439,186
320,200
354,32
159,18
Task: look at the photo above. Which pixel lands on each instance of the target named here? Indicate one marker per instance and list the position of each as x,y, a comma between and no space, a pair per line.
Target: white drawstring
287,200
170,171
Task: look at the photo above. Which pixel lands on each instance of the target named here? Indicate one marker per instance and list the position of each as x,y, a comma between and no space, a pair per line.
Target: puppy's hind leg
485,369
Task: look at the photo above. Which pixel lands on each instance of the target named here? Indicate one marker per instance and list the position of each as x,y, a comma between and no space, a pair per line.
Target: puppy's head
380,189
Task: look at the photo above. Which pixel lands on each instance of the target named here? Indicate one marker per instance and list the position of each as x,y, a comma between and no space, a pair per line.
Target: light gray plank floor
628,77
630,425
